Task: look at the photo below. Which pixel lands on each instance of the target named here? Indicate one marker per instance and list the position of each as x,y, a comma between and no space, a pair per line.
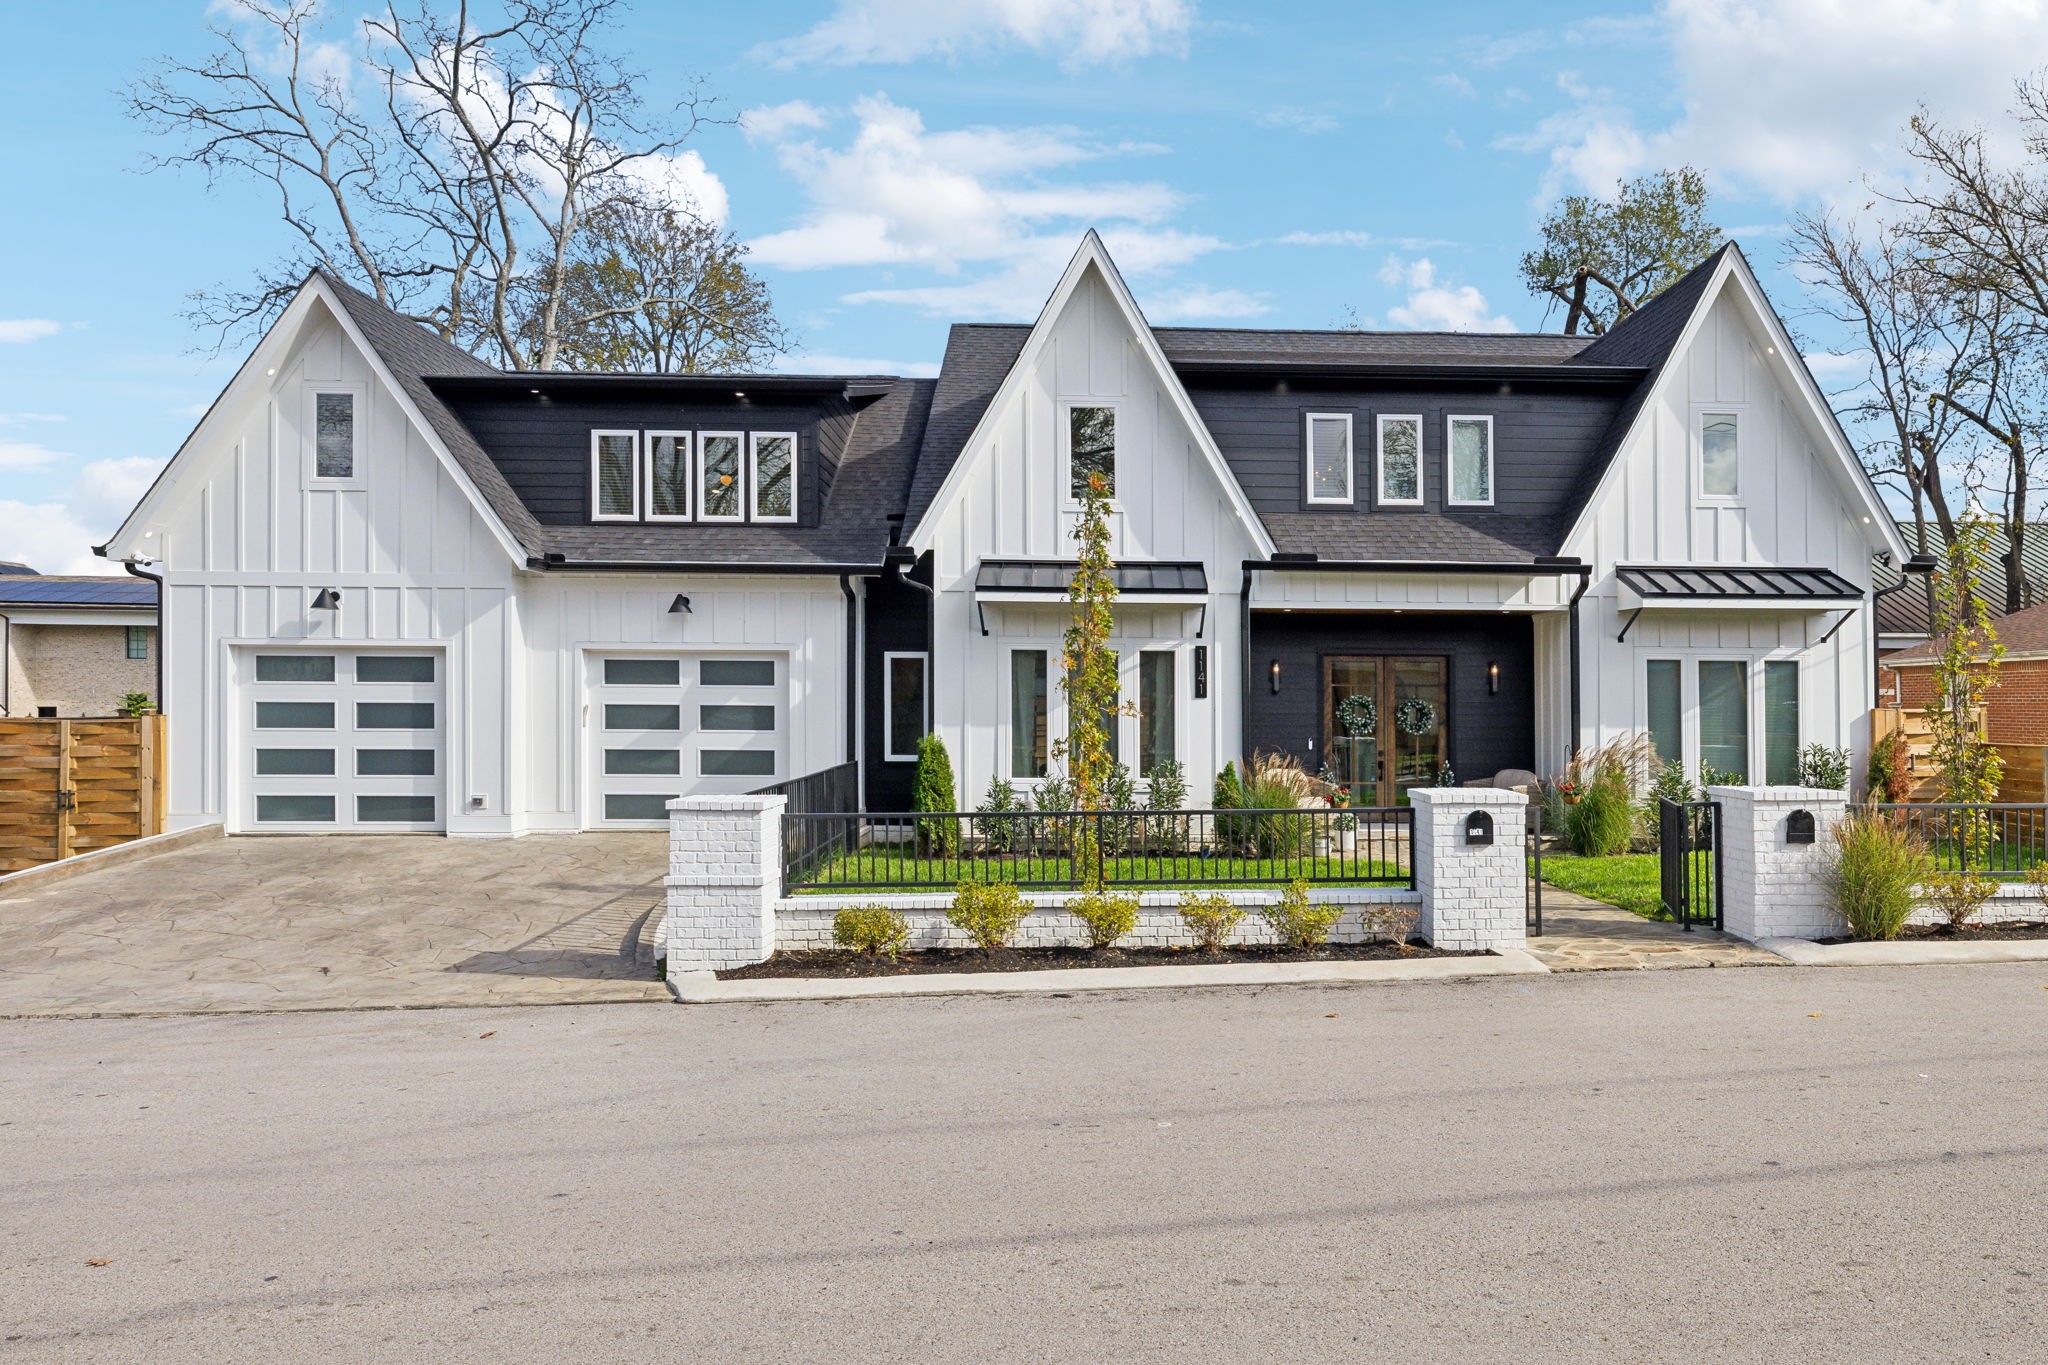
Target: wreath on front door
1359,716
1415,716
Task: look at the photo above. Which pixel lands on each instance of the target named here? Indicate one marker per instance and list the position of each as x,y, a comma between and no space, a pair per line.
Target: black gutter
162,612
905,559
1310,564
1283,369
554,563
1918,565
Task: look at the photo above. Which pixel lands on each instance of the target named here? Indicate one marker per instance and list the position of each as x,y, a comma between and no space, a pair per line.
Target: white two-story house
406,591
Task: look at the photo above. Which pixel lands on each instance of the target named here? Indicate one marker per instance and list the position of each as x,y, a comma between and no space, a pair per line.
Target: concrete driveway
338,922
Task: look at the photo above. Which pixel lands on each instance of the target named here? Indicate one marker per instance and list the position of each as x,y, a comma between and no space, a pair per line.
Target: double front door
1384,719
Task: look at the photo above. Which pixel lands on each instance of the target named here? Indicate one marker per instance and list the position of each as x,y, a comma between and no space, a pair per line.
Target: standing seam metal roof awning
1056,576
1654,581
1735,588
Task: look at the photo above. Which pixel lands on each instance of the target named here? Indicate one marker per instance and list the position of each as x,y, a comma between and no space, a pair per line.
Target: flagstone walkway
1581,934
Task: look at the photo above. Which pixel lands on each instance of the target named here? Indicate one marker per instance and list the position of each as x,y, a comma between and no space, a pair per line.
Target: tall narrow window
1027,713
774,480
1781,722
334,435
668,476
1329,457
614,481
1400,461
719,494
1091,448
1724,719
903,704
1155,710
1720,464
1661,695
1471,446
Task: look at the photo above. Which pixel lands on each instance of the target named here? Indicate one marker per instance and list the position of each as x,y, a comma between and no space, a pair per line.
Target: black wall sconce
327,599
1799,827
1478,828
1493,680
1274,674
681,606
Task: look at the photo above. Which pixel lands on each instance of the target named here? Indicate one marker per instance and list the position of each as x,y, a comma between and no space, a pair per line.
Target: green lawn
883,867
1629,880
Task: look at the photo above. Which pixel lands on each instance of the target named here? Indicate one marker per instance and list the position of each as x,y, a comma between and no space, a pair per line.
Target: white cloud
682,178
1830,367
14,331
19,419
901,195
1348,237
1800,97
1078,32
774,122
27,455
1300,120
1433,306
1196,303
57,537
819,362
1456,84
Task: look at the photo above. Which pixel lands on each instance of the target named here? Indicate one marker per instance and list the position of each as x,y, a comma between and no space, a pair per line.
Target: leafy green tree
1605,258
1966,669
1088,675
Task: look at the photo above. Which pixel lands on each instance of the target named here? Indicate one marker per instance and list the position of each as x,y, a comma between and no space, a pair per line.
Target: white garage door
667,725
341,740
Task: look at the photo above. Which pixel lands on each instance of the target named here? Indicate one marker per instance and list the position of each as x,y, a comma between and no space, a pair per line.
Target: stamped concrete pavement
338,922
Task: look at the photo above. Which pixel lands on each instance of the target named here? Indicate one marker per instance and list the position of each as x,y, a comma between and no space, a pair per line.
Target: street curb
113,855
1804,953
704,988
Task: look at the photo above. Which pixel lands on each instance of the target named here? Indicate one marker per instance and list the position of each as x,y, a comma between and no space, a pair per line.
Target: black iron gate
1689,863
1532,896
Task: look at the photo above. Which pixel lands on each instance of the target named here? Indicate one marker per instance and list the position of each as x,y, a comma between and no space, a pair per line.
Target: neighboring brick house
2016,707
74,646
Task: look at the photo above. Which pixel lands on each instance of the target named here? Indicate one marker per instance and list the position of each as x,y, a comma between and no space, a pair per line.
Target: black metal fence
1532,849
2003,840
1689,863
828,792
825,851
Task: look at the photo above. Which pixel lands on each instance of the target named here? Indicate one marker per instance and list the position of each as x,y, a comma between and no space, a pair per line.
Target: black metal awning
1056,576
1735,587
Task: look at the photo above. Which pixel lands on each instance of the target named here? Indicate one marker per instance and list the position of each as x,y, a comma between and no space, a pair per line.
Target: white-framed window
1090,436
771,481
1030,713
334,433
1720,454
1157,703
1398,460
1468,447
721,493
1328,455
904,687
1737,714
614,476
670,466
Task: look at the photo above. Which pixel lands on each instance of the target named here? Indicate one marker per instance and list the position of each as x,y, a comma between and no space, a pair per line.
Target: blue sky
898,164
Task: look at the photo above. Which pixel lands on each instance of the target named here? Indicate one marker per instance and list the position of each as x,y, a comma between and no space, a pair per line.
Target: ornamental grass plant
1874,873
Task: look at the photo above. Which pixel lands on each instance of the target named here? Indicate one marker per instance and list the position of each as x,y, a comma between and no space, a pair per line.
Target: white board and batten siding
1012,503
1794,507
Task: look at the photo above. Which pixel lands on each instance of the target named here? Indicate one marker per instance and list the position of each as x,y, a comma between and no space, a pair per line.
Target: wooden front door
1384,719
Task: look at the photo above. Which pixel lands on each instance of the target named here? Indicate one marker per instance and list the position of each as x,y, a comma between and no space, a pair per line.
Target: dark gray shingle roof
1194,345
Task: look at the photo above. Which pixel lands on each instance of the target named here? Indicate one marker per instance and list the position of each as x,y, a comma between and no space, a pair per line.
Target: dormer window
1470,442
334,433
1399,461
719,491
614,476
1329,458
772,486
1091,448
1720,455
668,476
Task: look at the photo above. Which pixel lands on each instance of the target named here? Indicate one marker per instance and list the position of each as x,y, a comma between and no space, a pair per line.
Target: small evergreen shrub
1391,923
1299,923
1874,873
1108,916
987,912
134,704
1820,766
2037,878
1232,831
1169,792
1001,825
1209,918
1959,895
871,929
932,788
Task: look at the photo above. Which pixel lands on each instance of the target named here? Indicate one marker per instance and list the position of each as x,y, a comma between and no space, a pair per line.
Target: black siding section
898,619
1543,438
1486,733
541,443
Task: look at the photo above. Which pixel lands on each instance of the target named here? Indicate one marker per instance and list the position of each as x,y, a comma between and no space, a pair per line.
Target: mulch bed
840,962
1969,933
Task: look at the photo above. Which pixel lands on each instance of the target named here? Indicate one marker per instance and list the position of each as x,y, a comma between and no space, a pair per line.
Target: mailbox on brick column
1478,828
1799,827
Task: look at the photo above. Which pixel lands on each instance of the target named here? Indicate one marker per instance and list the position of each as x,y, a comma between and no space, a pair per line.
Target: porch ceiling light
327,599
680,606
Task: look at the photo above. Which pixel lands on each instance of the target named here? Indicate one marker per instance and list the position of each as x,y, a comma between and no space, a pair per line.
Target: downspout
852,669
1585,582
6,637
1244,652
162,610
906,564
1919,565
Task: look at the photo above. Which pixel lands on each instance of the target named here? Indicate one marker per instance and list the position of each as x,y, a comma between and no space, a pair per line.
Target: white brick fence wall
726,908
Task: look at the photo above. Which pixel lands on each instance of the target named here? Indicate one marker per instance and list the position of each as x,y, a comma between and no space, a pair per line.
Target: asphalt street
1729,1164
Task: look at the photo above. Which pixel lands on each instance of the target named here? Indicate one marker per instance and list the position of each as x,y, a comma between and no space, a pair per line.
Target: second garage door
666,725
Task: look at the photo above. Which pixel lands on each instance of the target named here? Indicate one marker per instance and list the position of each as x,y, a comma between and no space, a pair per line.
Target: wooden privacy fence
71,786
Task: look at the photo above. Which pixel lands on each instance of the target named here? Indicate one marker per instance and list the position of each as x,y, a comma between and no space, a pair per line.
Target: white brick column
1771,888
724,876
1474,896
